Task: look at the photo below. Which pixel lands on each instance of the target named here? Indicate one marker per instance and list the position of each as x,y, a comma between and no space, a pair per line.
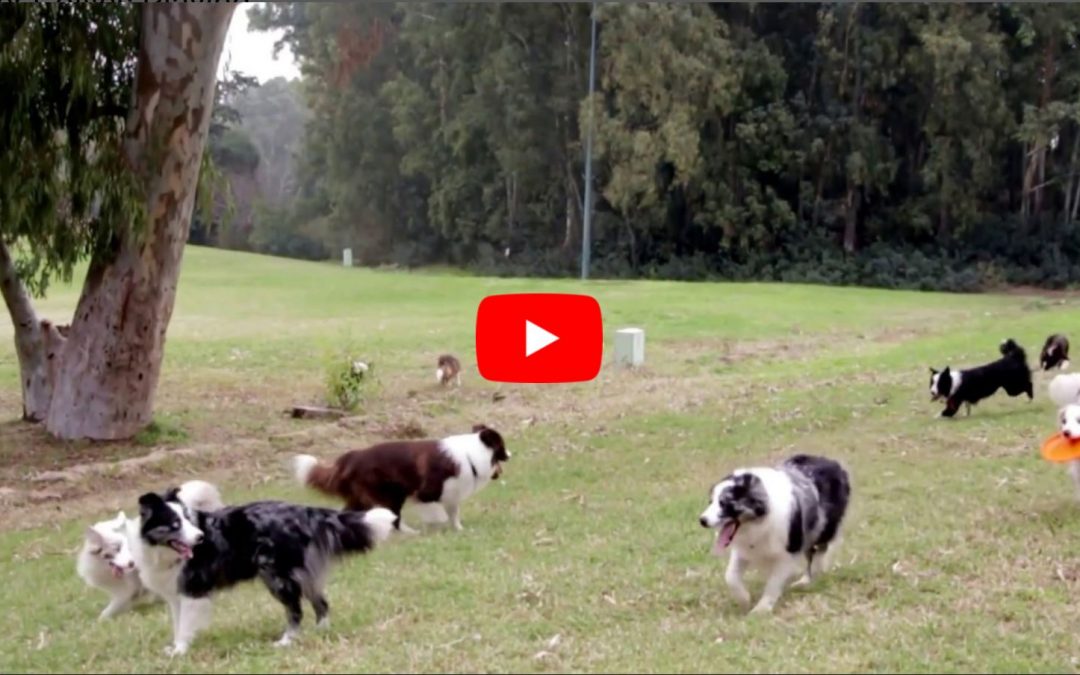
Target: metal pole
587,225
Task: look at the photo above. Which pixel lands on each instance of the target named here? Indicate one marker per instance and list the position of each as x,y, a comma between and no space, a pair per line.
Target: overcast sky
253,53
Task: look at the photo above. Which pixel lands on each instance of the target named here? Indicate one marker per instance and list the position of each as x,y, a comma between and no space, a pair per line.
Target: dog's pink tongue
724,537
116,571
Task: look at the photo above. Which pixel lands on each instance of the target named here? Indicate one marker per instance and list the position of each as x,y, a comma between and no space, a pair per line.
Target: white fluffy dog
1065,389
105,563
1069,421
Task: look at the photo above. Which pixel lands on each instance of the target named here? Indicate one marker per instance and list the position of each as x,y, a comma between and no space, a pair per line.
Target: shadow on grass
976,415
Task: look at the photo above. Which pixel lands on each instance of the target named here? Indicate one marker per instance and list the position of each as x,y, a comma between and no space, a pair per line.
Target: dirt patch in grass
26,449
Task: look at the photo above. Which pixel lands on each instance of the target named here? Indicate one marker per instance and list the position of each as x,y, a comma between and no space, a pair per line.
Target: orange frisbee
1059,449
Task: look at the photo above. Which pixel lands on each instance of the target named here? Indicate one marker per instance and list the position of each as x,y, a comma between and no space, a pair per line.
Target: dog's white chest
758,543
473,474
459,488
157,572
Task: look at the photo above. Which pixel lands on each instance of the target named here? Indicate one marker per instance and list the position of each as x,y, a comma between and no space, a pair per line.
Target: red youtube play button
539,338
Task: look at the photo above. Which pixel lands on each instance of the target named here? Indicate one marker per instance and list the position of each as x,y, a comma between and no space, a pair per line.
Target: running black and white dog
783,519
970,386
187,555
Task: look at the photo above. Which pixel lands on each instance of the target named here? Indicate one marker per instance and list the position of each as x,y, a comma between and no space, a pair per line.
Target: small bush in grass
348,382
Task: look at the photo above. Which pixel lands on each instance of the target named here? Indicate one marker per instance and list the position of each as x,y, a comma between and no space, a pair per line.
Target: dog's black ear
933,370
477,428
147,503
494,442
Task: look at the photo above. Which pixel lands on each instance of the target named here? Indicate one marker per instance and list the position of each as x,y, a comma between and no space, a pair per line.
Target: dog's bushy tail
355,531
198,495
310,472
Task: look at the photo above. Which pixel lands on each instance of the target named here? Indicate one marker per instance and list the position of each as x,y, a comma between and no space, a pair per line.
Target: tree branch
15,294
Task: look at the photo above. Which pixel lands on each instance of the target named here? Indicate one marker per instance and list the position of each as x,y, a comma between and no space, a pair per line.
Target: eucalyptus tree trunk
98,381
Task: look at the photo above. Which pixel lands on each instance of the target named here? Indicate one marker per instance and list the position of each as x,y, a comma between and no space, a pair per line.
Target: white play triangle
536,338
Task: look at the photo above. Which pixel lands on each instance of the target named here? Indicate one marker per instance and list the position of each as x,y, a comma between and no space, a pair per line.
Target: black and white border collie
970,386
186,555
1055,353
783,519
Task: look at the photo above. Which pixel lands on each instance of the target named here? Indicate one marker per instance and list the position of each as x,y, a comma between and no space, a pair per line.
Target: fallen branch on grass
316,412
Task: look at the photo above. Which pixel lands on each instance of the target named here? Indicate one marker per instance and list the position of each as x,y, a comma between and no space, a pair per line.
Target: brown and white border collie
449,369
443,471
1055,352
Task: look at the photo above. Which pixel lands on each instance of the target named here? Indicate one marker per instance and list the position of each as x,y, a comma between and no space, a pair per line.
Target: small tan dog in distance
449,369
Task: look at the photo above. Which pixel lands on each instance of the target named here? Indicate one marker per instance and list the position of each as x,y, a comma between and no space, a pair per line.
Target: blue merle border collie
970,386
187,555
783,519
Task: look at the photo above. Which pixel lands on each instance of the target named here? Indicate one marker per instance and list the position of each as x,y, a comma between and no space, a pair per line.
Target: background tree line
914,145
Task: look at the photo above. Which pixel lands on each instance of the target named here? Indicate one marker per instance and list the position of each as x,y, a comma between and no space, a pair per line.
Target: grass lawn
962,548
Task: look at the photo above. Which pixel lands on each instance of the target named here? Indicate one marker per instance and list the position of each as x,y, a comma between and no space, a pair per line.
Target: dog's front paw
407,531
804,580
285,640
762,608
742,596
178,649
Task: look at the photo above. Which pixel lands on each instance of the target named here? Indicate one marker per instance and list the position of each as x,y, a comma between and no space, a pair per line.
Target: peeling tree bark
100,381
